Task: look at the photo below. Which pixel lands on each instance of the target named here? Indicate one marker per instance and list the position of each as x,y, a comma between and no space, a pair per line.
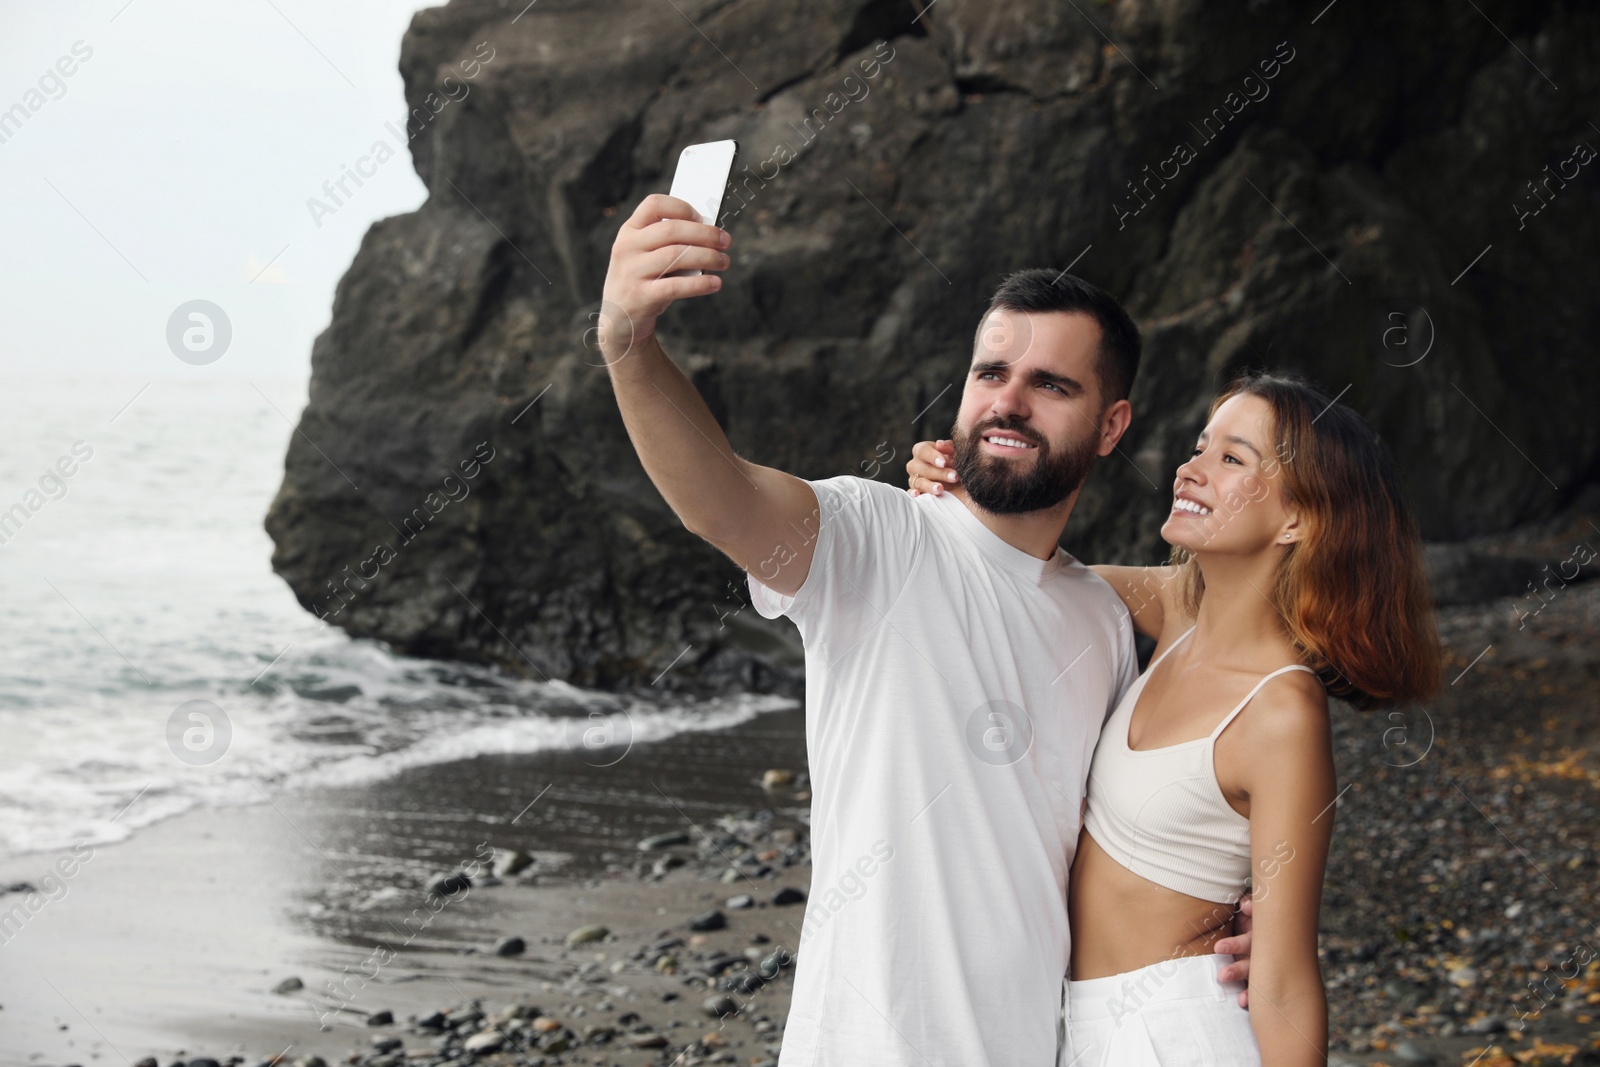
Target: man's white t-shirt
955,688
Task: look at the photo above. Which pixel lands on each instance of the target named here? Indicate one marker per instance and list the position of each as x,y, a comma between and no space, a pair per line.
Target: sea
153,662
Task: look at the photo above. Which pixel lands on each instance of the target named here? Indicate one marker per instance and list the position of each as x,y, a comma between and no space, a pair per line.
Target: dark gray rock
789,895
710,920
446,885
1370,181
510,946
720,962
720,1005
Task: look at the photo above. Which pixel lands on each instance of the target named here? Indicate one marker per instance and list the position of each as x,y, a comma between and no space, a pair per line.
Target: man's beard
996,486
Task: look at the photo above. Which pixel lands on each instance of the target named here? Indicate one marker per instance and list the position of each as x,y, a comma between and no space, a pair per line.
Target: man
959,665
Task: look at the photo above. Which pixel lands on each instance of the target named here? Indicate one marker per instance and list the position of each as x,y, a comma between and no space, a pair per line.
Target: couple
960,668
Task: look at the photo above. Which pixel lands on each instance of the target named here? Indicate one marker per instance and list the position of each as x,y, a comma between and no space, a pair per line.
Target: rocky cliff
1397,200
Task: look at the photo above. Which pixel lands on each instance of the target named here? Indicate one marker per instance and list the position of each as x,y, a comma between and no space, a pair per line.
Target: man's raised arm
747,511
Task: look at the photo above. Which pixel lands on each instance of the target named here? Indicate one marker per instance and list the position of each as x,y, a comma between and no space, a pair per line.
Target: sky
174,164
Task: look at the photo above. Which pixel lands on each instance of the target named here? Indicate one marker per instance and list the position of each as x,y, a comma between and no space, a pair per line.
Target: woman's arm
1147,591
1285,752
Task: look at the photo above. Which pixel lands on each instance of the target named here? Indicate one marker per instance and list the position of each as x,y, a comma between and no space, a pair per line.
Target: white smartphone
702,179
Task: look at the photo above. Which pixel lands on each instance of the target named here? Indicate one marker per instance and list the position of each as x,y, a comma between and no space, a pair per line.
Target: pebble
788,895
721,962
446,885
1410,1052
711,920
584,934
666,840
510,861
777,778
670,862
384,1017
720,1005
742,901
510,946
487,1041
289,985
746,982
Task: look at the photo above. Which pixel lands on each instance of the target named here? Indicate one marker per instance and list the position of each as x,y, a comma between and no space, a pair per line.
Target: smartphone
702,179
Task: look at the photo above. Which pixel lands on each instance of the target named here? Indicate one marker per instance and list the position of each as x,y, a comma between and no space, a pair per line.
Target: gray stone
511,861
710,920
666,840
1411,1052
510,946
720,1005
585,934
487,1041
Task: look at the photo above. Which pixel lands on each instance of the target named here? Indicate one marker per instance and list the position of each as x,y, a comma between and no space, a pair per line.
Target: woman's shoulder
1291,706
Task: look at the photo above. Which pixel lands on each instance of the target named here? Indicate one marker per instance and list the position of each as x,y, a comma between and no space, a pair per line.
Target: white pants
1175,1013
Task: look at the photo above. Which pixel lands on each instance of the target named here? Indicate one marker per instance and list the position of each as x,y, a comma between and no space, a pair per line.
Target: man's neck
1035,532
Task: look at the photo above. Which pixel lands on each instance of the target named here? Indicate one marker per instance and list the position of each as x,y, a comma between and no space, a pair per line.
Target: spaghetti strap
1223,725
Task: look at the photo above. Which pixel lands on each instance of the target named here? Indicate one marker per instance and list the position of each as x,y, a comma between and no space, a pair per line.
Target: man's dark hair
1039,289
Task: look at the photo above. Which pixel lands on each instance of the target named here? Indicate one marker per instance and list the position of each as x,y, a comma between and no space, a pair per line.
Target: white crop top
1160,812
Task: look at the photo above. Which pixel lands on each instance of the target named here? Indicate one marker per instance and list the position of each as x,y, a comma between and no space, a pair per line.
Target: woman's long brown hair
1352,593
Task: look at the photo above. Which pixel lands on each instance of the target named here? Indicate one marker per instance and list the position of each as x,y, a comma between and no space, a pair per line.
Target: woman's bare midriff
1121,922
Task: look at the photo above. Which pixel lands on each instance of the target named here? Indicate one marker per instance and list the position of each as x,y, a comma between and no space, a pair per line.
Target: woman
1295,573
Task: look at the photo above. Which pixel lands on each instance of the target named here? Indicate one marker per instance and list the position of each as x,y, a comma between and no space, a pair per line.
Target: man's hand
663,234
1238,946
